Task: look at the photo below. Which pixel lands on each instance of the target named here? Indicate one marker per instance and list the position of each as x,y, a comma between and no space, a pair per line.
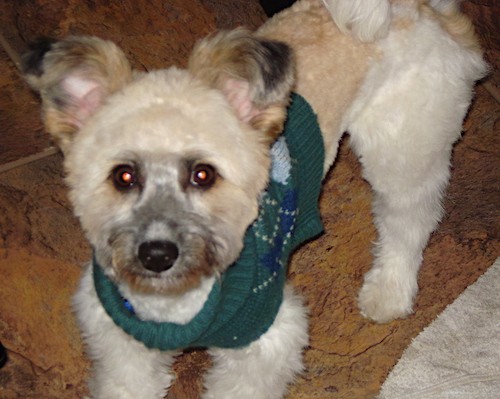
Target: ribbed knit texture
244,303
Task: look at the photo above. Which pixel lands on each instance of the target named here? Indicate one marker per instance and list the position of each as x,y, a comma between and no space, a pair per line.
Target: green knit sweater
244,303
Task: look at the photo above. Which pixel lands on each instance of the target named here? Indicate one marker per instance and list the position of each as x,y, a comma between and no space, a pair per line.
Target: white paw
385,296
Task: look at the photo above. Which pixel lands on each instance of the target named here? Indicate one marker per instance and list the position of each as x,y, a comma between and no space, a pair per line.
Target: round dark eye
124,177
203,175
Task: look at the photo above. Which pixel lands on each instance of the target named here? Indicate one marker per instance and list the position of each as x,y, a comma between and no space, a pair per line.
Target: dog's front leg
122,368
265,368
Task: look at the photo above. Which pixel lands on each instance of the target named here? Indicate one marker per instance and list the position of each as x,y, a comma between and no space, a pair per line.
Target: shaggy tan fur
343,54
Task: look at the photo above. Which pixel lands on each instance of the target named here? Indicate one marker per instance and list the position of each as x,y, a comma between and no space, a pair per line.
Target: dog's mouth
164,282
163,266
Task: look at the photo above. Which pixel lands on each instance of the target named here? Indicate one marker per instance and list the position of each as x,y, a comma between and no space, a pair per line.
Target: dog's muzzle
158,256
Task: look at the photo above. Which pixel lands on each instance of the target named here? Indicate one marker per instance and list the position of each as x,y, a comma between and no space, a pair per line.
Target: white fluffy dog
193,198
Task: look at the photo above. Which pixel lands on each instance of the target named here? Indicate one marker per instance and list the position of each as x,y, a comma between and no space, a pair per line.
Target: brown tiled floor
42,248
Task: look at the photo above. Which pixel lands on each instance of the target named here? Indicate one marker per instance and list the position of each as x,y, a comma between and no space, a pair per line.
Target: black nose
158,256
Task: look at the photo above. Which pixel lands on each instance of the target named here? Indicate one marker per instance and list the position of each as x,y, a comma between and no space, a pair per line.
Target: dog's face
166,168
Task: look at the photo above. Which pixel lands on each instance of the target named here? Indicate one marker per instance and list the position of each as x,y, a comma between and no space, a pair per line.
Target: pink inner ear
237,93
85,95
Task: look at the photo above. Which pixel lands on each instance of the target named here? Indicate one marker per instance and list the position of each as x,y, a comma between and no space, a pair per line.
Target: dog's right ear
74,76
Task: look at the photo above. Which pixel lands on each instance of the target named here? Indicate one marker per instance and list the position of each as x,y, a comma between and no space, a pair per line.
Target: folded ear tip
32,60
278,56
277,69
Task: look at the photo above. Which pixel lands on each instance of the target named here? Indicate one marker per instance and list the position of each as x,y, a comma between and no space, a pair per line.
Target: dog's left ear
255,74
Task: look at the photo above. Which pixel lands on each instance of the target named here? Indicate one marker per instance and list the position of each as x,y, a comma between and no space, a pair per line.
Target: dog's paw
385,297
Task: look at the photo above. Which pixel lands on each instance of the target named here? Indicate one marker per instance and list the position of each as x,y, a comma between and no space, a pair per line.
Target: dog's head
165,168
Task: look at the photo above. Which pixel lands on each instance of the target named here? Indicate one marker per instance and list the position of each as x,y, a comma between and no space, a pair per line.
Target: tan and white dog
167,170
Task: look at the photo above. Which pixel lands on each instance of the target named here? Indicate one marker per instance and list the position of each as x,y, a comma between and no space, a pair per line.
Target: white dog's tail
444,6
369,20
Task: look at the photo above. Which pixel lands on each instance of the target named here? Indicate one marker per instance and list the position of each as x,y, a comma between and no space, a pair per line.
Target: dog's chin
163,283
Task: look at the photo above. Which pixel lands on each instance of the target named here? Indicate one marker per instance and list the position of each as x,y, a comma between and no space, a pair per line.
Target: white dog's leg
122,367
407,164
264,368
402,127
404,219
408,185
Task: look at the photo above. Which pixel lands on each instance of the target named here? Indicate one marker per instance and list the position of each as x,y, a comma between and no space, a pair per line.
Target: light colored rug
458,355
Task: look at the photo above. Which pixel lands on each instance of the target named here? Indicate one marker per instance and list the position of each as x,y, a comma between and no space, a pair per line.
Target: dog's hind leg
408,169
403,126
406,208
265,368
